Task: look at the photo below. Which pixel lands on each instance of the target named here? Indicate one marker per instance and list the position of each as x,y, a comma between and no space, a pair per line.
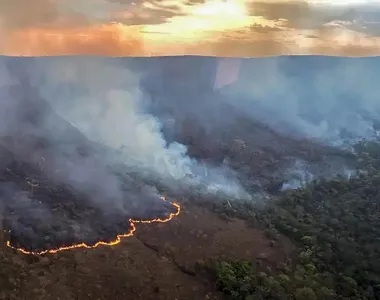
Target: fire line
116,241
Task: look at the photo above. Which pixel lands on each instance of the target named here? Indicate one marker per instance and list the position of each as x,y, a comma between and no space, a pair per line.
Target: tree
305,293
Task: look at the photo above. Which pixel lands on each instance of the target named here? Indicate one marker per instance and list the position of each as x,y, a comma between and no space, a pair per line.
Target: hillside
83,161
335,225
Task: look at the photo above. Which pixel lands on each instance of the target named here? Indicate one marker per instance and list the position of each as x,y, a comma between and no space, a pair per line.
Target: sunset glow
205,19
196,27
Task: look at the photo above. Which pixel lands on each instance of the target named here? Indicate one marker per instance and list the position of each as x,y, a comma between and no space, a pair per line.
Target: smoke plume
116,130
333,100
104,101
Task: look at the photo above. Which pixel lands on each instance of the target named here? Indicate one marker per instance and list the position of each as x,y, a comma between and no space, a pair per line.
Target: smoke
129,112
75,182
259,113
115,132
104,101
300,172
331,100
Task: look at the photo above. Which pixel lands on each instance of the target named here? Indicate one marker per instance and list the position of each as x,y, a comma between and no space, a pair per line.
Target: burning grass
41,217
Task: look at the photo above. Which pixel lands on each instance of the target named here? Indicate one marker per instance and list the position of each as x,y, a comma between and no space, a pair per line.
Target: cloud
140,13
341,41
361,19
77,27
194,2
304,15
297,13
105,40
264,29
325,41
144,16
21,14
238,44
170,27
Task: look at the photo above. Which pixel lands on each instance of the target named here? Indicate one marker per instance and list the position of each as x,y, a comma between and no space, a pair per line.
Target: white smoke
301,173
107,106
330,99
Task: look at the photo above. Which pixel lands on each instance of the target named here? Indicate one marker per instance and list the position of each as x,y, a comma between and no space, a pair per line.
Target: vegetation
336,225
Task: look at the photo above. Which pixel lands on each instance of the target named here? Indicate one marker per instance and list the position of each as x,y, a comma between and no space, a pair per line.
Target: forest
335,225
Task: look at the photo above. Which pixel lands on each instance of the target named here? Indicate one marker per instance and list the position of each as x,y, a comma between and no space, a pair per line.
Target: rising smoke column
58,188
104,101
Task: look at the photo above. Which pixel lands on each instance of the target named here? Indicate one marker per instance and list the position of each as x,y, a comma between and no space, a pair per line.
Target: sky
231,28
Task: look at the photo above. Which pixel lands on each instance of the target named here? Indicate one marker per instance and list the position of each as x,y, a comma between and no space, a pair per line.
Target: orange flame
116,241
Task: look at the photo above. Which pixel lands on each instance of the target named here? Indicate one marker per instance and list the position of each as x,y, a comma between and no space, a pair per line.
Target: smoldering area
87,143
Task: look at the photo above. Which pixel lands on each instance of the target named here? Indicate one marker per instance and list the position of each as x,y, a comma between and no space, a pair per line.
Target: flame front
116,241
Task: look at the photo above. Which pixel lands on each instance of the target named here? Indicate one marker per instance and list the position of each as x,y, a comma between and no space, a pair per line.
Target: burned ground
42,215
57,188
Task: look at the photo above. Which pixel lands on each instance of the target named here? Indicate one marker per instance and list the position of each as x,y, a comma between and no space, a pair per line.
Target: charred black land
40,209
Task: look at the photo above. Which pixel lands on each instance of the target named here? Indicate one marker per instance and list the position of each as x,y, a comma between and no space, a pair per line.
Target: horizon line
187,55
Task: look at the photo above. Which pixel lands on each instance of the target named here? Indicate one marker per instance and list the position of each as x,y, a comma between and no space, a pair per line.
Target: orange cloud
177,27
104,40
